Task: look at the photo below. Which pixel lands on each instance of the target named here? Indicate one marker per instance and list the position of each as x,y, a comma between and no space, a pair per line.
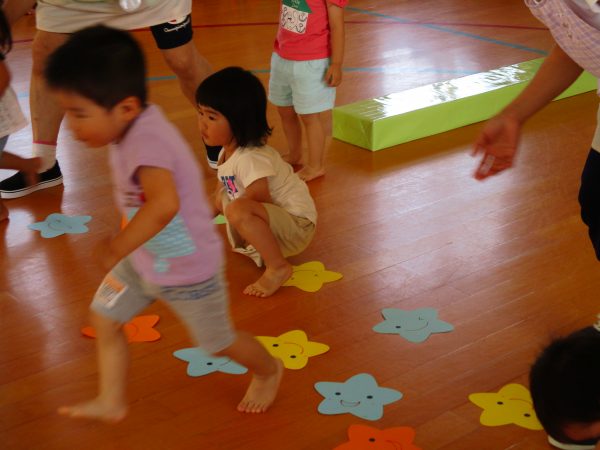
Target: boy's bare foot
3,212
308,173
262,391
95,409
270,281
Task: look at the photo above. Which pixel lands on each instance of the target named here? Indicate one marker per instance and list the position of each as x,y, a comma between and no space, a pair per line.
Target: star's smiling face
201,363
414,326
510,405
359,396
293,348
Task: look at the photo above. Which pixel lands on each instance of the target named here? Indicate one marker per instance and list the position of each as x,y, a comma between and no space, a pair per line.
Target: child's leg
121,296
316,133
251,220
3,212
267,372
203,307
293,133
110,404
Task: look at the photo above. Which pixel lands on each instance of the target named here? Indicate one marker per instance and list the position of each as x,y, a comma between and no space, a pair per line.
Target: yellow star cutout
311,276
293,348
511,404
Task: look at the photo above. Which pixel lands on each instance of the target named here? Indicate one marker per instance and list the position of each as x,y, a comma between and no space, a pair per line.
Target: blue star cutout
57,224
414,326
359,396
201,363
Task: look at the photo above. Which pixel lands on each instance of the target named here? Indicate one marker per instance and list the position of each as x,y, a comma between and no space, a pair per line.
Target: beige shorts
68,16
293,233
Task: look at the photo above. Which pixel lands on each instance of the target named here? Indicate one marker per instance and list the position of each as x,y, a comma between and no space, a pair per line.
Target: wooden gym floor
506,261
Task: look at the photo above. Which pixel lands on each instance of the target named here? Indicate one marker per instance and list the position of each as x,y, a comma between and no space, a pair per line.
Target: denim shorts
203,307
300,84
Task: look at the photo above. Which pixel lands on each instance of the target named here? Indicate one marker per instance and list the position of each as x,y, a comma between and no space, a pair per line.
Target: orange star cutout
363,437
139,329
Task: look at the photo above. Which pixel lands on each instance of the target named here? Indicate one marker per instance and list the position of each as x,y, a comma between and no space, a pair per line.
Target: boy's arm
160,207
333,76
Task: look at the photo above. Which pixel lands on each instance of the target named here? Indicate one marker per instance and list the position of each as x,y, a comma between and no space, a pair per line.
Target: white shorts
68,16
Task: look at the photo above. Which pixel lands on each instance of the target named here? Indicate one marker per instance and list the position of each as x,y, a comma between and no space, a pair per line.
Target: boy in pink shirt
306,66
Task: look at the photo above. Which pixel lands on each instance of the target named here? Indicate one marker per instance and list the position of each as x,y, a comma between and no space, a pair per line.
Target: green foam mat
401,117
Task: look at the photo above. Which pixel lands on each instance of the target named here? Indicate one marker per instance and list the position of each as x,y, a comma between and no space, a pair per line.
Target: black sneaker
212,155
16,186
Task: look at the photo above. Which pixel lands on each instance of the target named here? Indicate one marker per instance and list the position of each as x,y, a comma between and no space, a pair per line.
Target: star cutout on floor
56,224
138,329
414,326
363,437
293,348
510,405
311,276
201,363
359,395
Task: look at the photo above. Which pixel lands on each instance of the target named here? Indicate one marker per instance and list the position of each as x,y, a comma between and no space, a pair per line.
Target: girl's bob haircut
241,98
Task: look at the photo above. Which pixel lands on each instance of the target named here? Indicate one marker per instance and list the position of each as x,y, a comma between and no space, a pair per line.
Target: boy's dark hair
565,382
5,34
99,63
240,97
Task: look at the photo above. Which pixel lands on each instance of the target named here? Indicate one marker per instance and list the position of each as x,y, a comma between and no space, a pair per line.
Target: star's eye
275,345
369,397
398,326
338,393
209,364
292,356
371,439
500,403
527,415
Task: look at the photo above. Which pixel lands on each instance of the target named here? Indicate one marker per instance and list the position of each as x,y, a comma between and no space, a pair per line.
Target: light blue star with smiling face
56,224
201,363
359,395
414,326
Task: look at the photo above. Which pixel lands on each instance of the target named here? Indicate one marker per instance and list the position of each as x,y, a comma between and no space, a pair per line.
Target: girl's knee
238,210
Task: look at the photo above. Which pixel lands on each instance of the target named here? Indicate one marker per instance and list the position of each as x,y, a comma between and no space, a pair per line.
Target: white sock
47,152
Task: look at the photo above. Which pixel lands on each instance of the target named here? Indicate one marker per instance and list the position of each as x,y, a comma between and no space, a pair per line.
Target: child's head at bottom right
565,388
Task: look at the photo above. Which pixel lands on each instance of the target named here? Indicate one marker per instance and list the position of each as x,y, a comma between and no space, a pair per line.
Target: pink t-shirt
188,250
303,32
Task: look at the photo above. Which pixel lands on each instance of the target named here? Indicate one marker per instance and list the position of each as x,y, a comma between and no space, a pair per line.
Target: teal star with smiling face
57,224
201,363
414,326
359,395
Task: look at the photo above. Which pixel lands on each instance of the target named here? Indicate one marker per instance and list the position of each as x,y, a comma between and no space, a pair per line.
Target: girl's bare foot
308,173
262,391
270,281
95,409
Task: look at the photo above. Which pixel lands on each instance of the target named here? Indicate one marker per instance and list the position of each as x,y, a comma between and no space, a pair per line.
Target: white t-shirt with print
248,164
